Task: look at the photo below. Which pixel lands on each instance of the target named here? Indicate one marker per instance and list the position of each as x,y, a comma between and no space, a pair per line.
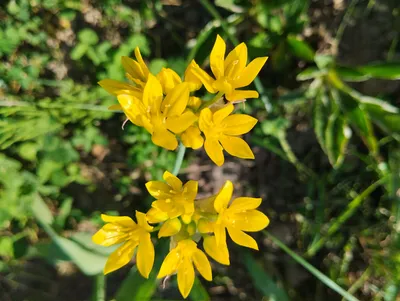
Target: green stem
293,159
323,278
257,82
212,101
99,292
349,211
179,158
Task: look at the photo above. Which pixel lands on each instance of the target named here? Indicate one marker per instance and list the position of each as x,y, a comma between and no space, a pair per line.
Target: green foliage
64,157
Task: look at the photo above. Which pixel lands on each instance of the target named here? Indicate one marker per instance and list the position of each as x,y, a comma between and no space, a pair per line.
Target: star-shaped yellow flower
241,215
162,117
136,71
122,229
231,72
174,200
180,260
221,130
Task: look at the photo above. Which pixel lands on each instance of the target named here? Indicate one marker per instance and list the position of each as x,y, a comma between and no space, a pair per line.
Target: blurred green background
327,145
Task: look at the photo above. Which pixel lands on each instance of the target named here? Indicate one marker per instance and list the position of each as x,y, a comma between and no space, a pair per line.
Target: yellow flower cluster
186,220
165,105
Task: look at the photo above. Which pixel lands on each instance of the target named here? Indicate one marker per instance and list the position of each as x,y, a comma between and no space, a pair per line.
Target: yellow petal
222,113
194,83
214,151
116,87
250,72
236,61
242,239
205,119
194,102
202,264
123,221
218,253
152,94
179,124
217,57
170,264
241,95
220,234
145,255
168,79
203,76
244,203
108,237
176,100
133,68
141,219
192,138
172,181
238,124
236,147
224,196
142,64
185,277
190,190
120,257
164,139
170,227
251,221
116,107
158,189
155,215
205,225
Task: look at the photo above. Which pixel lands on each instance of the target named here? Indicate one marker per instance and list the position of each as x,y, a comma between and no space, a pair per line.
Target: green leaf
324,61
88,36
385,70
79,51
337,135
360,120
263,281
198,292
275,127
300,48
88,262
351,74
28,151
320,117
310,73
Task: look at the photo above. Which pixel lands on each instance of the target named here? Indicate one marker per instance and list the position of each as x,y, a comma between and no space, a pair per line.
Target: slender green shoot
320,276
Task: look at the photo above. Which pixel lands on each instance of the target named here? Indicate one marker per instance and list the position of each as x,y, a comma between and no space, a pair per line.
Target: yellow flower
162,117
122,229
180,260
174,200
136,71
221,128
192,137
241,215
191,78
219,253
168,79
230,73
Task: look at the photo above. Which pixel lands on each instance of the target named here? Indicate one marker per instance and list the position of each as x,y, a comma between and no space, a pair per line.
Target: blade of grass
320,276
349,211
257,82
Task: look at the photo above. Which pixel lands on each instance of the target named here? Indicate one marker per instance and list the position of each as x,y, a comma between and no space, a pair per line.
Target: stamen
126,120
